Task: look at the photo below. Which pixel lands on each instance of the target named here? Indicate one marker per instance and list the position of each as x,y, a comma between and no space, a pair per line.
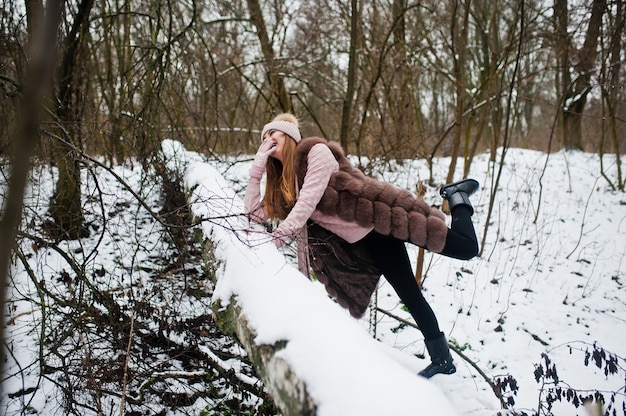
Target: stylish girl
351,229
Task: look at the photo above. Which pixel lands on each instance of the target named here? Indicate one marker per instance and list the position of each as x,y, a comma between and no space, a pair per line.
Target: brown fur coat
392,211
342,267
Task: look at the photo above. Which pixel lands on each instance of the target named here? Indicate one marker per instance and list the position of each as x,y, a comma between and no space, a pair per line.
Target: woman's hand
278,238
267,148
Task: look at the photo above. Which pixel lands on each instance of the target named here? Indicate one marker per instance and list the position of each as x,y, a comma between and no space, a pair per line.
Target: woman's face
279,138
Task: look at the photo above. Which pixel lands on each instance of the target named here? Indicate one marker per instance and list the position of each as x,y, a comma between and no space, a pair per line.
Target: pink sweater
321,165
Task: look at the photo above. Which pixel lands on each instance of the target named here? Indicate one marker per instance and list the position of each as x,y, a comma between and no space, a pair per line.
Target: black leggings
461,242
391,258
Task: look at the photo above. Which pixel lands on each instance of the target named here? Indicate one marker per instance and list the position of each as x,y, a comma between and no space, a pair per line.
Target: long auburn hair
280,186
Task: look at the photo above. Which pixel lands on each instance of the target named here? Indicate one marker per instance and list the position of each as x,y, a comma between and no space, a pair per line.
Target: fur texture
345,270
392,211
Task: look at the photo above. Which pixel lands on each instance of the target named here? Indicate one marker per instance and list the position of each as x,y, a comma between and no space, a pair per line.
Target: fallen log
287,390
312,356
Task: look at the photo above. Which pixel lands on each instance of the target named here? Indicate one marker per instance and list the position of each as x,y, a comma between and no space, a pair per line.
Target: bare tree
276,81
401,85
610,79
577,67
346,113
112,67
458,50
65,206
43,55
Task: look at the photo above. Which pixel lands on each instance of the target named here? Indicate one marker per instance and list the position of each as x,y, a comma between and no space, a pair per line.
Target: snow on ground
550,280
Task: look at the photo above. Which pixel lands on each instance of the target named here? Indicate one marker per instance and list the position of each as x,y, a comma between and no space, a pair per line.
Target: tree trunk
400,96
459,46
610,90
562,47
575,92
114,73
42,59
490,45
277,84
65,206
34,17
346,110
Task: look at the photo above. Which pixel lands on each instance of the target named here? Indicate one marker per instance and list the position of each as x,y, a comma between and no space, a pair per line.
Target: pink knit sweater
321,165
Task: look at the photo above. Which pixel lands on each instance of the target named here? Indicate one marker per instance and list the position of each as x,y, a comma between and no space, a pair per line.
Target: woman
355,227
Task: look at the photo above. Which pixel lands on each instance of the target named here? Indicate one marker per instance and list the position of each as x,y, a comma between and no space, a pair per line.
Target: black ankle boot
441,360
469,186
458,193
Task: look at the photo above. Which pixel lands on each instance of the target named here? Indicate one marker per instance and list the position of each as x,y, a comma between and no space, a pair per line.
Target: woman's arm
252,200
321,165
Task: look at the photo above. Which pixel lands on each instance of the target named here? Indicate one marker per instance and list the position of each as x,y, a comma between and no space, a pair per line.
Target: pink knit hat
286,127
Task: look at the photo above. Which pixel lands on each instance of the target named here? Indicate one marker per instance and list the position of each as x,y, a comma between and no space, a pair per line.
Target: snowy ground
550,280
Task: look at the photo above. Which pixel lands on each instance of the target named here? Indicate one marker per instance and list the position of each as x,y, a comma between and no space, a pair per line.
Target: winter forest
133,285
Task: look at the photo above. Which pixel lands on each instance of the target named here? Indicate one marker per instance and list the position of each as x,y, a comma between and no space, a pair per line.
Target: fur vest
342,267
392,211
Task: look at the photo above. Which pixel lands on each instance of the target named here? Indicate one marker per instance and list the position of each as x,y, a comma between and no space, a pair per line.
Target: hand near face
267,148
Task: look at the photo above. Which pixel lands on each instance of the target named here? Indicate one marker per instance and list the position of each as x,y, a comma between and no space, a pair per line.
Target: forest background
106,82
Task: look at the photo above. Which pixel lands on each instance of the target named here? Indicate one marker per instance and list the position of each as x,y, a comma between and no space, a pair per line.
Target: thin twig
582,225
125,379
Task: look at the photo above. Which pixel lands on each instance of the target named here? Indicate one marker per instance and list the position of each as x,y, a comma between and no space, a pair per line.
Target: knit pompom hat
286,123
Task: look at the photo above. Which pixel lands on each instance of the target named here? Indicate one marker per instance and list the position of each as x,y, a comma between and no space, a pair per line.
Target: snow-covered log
313,357
287,390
